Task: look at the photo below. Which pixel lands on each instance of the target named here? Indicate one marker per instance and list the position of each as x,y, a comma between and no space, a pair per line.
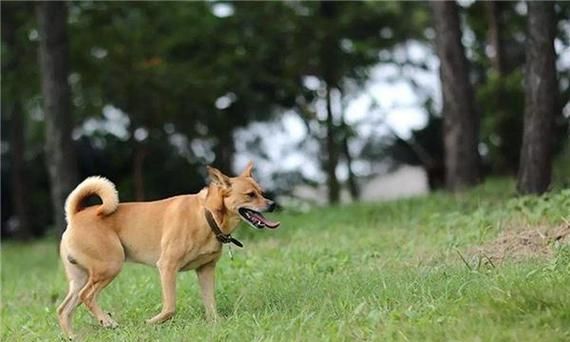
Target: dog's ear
248,172
218,178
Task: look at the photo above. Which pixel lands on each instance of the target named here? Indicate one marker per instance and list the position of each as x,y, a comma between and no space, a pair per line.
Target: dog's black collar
223,238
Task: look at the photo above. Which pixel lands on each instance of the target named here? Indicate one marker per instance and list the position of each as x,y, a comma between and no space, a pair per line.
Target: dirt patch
522,243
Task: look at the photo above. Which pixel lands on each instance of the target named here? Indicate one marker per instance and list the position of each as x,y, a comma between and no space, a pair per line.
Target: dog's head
243,197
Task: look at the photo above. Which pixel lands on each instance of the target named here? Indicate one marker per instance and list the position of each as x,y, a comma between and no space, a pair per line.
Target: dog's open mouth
256,219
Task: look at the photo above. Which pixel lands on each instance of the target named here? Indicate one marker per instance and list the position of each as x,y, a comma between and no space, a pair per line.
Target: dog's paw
69,336
108,322
213,318
161,317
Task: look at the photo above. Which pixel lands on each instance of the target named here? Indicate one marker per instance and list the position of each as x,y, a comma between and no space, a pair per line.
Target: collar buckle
220,236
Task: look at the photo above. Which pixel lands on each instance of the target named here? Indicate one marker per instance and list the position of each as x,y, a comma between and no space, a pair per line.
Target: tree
496,65
337,43
347,133
12,106
541,90
53,56
460,120
496,40
180,81
328,60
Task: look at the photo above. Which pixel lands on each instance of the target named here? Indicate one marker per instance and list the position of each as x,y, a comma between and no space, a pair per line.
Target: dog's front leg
206,278
167,269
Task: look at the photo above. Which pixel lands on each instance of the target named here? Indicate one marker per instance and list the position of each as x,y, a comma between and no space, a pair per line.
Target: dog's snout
271,205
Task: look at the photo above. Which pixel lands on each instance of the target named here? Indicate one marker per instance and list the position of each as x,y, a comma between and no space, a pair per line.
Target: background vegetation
147,93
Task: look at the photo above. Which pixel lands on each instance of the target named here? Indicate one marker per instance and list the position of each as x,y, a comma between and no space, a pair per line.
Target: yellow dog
175,234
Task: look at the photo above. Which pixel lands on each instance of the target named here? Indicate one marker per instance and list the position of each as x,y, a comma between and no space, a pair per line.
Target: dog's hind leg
98,279
77,278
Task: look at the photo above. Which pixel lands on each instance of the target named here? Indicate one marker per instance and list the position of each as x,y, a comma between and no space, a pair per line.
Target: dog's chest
201,257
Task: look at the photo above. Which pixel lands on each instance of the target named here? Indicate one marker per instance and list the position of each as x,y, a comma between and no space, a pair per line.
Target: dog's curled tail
95,185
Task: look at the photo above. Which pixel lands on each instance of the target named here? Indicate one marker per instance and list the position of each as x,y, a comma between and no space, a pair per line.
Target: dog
176,234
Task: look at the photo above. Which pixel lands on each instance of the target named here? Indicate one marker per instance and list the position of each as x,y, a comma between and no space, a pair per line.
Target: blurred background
333,101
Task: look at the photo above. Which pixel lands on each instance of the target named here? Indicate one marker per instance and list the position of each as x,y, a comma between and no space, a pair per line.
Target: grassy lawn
403,271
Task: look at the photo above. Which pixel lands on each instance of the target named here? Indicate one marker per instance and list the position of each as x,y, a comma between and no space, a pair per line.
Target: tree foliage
158,89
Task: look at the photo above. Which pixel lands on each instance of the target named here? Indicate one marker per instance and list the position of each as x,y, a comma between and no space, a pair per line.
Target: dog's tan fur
171,234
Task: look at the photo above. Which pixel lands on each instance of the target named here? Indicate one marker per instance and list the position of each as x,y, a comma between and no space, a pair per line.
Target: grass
387,271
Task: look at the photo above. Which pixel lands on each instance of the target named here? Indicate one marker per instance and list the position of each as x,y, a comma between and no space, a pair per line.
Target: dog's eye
250,194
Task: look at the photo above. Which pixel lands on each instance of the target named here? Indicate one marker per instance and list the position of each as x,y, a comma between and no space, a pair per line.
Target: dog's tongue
266,222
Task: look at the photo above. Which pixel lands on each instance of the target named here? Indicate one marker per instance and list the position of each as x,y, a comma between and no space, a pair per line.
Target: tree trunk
328,62
53,55
332,152
460,120
352,183
353,187
507,121
19,185
541,104
494,11
12,106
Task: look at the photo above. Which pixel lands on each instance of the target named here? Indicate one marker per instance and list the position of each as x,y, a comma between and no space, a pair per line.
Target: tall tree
53,56
495,72
460,120
328,61
495,33
332,150
541,90
353,187
19,184
12,106
503,85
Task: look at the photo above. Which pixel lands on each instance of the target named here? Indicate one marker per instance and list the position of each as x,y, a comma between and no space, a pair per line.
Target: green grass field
387,271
